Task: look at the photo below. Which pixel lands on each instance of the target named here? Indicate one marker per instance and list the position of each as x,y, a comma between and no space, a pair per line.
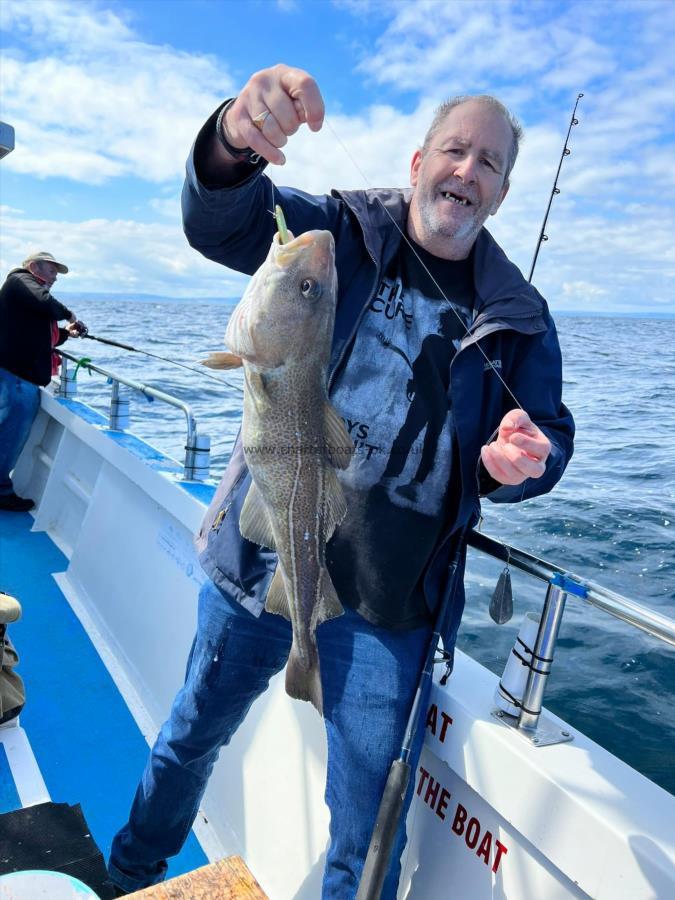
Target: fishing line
421,262
172,362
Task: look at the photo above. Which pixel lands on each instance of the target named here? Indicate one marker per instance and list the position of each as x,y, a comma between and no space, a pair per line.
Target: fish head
288,309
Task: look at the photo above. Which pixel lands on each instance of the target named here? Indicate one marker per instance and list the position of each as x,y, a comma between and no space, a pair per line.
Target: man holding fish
397,367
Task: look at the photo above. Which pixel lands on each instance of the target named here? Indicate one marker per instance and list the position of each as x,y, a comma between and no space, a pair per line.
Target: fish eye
311,288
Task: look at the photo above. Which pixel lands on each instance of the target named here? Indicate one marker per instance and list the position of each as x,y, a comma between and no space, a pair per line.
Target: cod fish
294,440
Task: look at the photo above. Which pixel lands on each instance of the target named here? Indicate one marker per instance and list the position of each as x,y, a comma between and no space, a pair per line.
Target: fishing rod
389,814
556,190
173,362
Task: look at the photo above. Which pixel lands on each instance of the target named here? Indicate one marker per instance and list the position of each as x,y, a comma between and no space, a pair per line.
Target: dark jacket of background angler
233,226
27,311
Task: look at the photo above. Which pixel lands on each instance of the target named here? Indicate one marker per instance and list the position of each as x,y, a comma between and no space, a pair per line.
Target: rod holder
67,383
119,408
542,656
511,687
520,694
197,457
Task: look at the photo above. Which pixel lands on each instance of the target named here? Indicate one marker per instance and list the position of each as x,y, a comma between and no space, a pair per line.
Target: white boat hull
492,816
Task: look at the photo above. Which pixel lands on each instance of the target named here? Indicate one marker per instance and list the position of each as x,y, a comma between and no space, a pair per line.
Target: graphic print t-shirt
393,396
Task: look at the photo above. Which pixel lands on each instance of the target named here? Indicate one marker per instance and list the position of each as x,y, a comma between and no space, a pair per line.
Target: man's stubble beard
434,225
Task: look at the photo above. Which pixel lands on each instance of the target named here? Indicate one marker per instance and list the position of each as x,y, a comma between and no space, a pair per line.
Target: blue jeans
19,404
369,676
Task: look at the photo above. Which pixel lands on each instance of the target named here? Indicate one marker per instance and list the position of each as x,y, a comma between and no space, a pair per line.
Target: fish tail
304,682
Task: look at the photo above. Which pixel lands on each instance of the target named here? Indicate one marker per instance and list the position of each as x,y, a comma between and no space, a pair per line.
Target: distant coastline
229,301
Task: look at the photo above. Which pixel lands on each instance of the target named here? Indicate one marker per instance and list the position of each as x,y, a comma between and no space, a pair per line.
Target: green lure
281,225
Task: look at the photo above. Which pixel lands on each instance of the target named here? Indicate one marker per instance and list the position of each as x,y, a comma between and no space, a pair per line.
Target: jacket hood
503,296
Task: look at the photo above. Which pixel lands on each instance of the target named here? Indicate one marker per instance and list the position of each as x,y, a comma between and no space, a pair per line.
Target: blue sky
106,99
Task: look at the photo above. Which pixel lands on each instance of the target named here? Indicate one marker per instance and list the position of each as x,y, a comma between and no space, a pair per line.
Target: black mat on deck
53,836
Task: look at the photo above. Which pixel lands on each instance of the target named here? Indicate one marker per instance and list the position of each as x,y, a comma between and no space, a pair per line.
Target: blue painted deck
9,799
86,742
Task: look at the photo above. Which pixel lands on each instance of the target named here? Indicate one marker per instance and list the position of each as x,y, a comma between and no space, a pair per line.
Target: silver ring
260,119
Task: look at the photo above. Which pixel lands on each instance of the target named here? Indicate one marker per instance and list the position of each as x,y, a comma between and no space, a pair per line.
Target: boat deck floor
87,745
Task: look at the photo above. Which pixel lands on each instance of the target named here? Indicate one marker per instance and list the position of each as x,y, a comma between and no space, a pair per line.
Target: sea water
611,519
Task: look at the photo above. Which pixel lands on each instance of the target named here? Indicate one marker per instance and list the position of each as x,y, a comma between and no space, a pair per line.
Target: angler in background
422,287
29,331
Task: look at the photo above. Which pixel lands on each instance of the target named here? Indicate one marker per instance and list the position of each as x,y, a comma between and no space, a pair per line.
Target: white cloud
614,217
90,27
536,58
358,151
119,256
87,106
100,103
582,290
168,207
459,47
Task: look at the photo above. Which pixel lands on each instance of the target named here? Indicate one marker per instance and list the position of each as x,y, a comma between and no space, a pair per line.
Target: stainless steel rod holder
542,657
119,409
197,457
67,384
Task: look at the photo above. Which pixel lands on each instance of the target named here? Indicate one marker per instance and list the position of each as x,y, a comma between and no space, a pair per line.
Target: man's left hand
519,452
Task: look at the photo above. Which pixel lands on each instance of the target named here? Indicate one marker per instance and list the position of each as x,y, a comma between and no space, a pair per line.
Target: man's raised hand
273,104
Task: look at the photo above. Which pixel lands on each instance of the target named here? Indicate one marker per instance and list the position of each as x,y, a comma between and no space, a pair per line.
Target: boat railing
521,688
197,446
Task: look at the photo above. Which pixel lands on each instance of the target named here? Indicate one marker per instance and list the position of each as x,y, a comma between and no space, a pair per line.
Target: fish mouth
319,243
456,198
286,253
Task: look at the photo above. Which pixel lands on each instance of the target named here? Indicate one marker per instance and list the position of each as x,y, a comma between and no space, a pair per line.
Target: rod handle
382,842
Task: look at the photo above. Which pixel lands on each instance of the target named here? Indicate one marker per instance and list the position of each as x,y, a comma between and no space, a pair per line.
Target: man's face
46,271
459,179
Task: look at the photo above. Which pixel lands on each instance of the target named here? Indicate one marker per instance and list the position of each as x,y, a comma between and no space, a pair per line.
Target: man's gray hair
445,108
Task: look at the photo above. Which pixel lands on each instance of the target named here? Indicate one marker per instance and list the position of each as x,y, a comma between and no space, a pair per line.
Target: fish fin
304,682
222,360
329,606
254,521
256,388
276,600
334,504
339,446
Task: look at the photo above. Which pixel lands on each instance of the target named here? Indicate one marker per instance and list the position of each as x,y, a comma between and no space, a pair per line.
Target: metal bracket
546,733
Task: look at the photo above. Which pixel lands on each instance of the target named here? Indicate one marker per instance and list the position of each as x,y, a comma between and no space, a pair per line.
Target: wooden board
227,879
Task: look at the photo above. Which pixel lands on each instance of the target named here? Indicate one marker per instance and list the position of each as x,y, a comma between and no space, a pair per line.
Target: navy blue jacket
511,322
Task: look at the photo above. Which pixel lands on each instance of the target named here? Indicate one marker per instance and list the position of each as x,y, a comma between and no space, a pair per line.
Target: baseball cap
43,256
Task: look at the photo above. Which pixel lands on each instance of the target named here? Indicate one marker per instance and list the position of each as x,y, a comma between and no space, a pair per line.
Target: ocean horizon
69,297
